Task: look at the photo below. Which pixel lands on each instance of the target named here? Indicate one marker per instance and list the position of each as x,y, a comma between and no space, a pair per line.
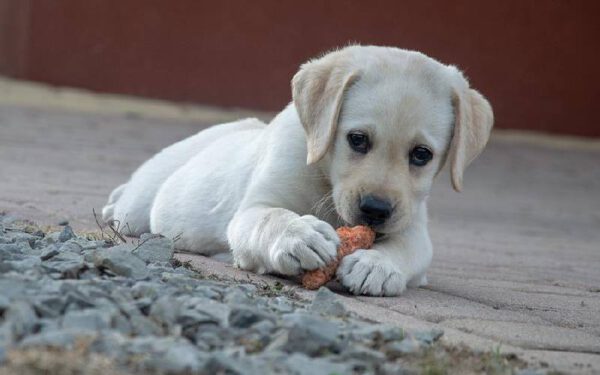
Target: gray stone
66,234
237,296
154,248
68,264
71,246
48,252
4,303
245,316
110,344
11,251
249,289
191,319
48,324
281,304
178,358
210,311
428,337
121,324
165,310
89,245
145,289
31,251
90,272
222,363
299,364
18,237
49,239
49,306
6,334
28,251
155,347
150,344
75,300
307,334
142,326
54,286
144,304
207,291
90,255
123,298
22,265
22,318
327,303
211,337
6,219
12,289
25,247
86,320
120,261
363,354
264,327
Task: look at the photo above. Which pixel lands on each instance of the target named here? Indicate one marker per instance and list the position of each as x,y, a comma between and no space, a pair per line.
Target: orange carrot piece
352,239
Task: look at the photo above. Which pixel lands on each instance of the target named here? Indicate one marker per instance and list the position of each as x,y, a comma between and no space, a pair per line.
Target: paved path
516,259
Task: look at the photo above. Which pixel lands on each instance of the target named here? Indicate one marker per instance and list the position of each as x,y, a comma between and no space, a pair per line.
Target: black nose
374,210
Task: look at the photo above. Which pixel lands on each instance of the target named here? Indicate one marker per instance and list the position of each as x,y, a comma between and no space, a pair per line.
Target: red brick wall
536,60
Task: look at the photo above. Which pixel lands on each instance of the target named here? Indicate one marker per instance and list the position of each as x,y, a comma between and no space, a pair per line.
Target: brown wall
535,60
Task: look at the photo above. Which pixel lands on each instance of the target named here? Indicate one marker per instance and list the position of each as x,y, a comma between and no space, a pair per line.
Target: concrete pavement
517,255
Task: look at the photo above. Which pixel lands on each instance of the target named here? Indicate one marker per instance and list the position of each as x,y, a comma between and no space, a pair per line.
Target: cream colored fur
272,194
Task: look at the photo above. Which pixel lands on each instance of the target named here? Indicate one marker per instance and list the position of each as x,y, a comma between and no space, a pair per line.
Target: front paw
306,244
369,272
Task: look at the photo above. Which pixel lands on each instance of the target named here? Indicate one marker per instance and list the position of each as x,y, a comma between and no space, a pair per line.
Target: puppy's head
382,122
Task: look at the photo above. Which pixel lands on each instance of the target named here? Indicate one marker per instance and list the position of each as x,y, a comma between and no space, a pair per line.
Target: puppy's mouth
379,235
354,221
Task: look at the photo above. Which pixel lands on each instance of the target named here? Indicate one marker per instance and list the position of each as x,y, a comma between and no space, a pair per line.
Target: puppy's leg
390,266
109,209
267,239
133,205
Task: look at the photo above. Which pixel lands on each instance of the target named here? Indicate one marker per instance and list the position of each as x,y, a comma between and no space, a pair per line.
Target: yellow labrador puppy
367,131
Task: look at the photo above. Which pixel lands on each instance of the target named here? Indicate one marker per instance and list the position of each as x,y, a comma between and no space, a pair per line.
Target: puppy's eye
359,142
420,156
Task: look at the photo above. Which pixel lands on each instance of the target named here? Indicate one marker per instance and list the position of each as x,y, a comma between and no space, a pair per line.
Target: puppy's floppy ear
472,125
318,91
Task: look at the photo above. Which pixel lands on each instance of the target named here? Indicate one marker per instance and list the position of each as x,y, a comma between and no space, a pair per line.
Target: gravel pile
136,305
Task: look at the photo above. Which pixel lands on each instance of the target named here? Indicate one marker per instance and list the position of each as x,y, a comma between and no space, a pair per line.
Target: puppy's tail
109,209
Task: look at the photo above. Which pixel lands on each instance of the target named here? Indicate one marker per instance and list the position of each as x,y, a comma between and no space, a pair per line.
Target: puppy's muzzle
375,211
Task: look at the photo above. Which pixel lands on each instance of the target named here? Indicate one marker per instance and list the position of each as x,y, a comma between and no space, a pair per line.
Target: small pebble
66,234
